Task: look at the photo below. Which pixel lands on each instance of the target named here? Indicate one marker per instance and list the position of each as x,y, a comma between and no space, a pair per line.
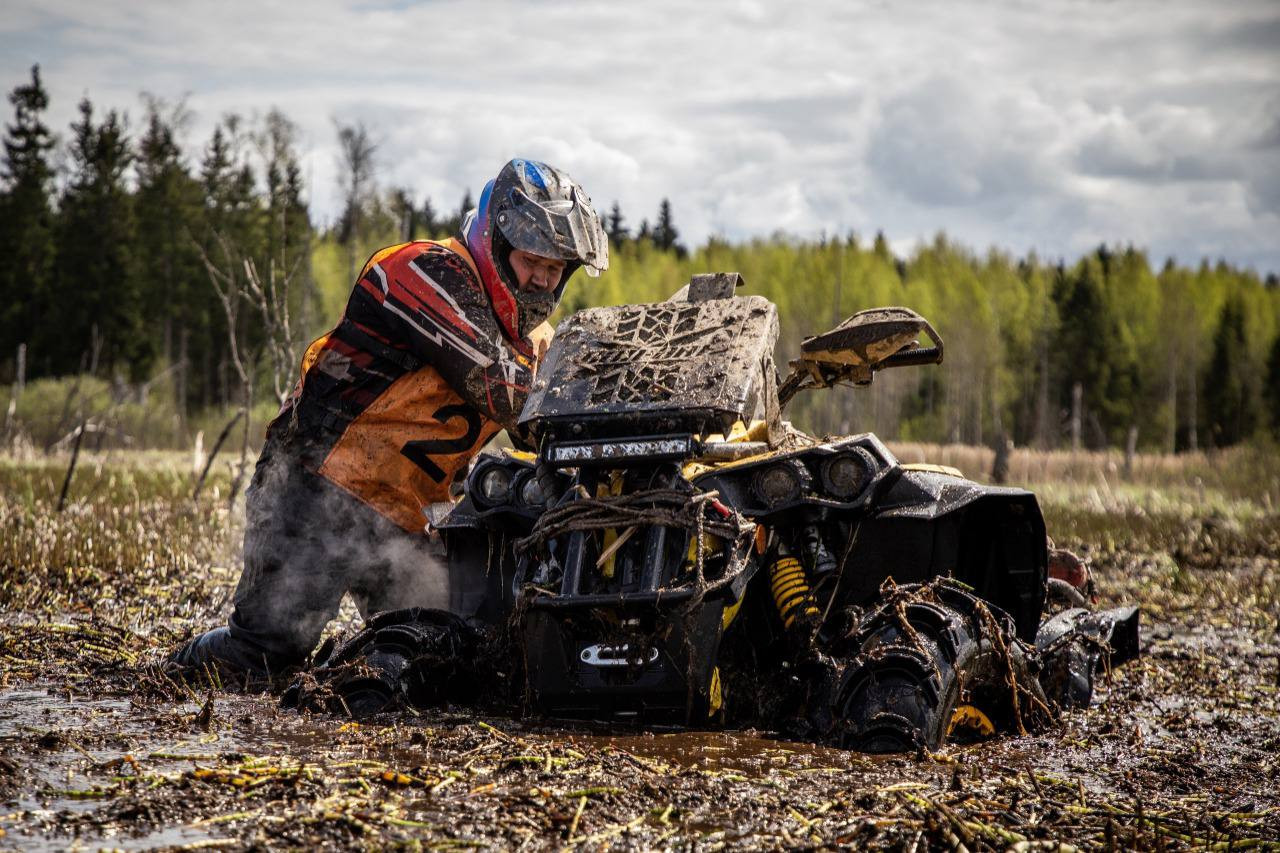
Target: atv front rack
645,647
655,513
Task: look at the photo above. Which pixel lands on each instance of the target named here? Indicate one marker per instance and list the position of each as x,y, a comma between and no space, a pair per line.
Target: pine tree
665,235
463,209
406,213
615,226
1230,405
288,222
230,199
1272,391
26,217
357,178
231,228
167,207
451,225
1090,351
427,218
96,285
880,248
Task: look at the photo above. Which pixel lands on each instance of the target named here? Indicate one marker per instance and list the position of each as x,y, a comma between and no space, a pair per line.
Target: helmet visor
568,229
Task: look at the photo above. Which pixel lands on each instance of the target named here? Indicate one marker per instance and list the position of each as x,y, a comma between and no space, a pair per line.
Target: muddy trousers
306,544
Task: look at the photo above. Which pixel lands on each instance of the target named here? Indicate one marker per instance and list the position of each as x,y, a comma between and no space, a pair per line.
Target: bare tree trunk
243,465
307,300
1003,445
207,378
167,346
1193,409
1077,414
224,383
19,385
20,381
1130,450
1171,440
357,150
978,396
180,381
230,291
271,296
1042,401
1000,465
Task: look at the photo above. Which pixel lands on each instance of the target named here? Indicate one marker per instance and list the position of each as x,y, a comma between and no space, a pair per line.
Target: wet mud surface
1181,749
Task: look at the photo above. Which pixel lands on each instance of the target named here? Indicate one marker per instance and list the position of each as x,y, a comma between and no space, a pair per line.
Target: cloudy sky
1033,124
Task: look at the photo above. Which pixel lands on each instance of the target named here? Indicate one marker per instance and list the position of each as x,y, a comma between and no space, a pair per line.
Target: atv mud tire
934,661
418,656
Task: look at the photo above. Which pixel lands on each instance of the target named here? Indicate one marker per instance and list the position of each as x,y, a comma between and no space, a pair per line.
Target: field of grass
99,749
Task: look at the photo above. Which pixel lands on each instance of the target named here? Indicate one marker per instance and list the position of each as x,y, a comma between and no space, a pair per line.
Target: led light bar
668,449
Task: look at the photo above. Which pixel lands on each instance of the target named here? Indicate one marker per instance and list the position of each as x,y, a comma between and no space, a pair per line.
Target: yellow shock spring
791,592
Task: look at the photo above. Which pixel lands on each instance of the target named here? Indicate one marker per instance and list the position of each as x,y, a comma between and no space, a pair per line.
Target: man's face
534,273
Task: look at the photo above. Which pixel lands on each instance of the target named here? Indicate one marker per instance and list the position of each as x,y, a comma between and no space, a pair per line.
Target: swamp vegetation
99,749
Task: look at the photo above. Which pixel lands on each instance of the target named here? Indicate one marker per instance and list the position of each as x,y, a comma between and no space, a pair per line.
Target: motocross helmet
539,209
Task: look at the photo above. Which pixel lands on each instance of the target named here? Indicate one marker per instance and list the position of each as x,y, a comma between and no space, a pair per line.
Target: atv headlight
531,492
776,485
846,474
495,485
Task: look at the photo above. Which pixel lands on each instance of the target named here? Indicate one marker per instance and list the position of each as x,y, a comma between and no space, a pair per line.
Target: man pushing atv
434,354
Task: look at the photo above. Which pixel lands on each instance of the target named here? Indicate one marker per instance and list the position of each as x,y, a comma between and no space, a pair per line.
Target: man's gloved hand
540,339
1066,566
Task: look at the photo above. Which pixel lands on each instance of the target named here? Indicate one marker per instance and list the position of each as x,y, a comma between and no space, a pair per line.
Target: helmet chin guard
538,209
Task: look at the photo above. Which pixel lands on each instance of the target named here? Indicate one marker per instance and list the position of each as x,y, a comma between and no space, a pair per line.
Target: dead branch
217,445
229,294
71,468
272,301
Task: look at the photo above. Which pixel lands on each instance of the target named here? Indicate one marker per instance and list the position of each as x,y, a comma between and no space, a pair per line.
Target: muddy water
74,755
72,750
1191,731
80,752
101,728
725,751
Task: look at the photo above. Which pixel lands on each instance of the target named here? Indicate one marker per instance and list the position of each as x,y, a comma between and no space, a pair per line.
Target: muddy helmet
539,209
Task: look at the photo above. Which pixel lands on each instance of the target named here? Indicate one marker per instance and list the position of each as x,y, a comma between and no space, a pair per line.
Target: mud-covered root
935,662
417,656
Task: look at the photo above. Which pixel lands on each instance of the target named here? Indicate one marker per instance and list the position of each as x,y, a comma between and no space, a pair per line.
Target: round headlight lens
776,485
495,486
531,492
845,475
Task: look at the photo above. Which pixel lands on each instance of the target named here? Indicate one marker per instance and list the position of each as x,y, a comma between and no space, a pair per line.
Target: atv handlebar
907,358
917,354
826,364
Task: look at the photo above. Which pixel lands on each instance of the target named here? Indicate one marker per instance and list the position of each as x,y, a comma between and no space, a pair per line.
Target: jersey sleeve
428,300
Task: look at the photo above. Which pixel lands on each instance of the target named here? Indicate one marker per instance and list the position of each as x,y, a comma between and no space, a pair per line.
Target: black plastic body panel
927,524
673,689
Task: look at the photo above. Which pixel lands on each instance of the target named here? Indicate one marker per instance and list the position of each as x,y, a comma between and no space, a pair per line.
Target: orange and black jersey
409,385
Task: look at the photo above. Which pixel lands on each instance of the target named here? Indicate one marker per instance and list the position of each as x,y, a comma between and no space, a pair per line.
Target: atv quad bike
677,554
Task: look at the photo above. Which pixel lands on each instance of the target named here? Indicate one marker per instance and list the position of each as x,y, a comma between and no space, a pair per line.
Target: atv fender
929,524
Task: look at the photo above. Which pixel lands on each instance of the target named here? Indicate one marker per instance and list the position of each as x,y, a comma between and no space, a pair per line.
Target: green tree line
138,261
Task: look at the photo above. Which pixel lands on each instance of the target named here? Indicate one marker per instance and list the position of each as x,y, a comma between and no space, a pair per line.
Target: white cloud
1021,124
